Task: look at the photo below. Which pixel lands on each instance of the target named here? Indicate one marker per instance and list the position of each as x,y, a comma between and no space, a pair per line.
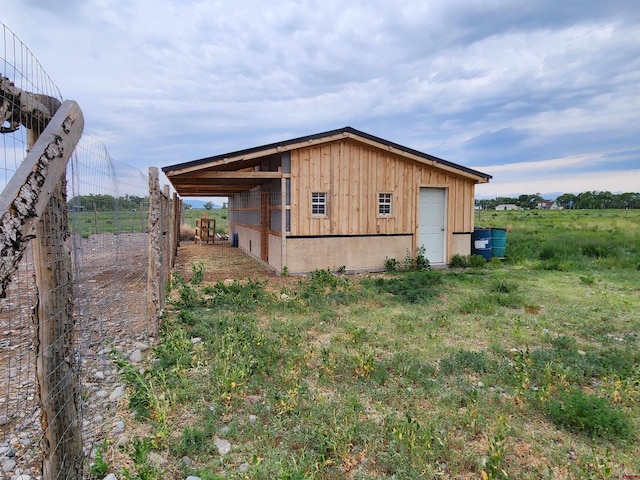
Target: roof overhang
237,172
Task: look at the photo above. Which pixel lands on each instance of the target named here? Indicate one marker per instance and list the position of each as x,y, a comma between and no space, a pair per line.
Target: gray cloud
473,81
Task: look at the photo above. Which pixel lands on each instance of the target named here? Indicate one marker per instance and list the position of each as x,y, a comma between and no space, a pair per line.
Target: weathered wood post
53,314
33,204
154,241
95,219
175,223
166,235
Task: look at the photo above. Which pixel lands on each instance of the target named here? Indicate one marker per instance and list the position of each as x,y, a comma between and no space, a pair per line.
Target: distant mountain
200,203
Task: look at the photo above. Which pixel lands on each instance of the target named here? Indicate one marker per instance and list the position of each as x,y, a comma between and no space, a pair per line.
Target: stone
11,464
122,441
186,461
223,445
143,347
253,419
117,393
136,356
111,476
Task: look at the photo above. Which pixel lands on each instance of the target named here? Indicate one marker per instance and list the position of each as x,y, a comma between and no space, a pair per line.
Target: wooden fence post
95,219
53,313
166,235
175,237
55,355
155,289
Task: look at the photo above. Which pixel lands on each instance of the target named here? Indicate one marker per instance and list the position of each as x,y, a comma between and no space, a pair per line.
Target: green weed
100,466
587,413
197,273
410,287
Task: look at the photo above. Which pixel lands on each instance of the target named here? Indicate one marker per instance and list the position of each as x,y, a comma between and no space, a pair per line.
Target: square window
384,204
318,203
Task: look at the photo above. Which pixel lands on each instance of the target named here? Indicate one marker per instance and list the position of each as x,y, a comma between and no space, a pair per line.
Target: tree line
107,203
584,200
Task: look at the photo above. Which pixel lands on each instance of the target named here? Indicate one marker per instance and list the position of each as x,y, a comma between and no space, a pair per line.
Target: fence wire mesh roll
95,276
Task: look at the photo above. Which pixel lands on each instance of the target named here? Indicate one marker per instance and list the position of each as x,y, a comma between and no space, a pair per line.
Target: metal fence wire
102,213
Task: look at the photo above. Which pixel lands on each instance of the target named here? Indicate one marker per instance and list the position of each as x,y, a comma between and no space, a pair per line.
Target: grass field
126,221
526,368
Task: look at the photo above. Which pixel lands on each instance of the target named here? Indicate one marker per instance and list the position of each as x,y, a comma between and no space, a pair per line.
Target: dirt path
221,262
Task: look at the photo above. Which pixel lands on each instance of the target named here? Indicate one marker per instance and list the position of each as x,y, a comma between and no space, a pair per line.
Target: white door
432,222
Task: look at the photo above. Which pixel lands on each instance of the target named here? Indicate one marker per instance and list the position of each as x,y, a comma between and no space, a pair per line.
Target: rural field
88,223
522,368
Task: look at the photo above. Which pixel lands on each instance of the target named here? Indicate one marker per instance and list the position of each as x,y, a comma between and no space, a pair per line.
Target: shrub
391,264
477,261
587,413
459,261
597,250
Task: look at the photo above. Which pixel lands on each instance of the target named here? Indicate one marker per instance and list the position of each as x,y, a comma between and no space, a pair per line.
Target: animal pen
82,235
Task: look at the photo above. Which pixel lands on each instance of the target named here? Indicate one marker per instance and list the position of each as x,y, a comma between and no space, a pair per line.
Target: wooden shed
341,199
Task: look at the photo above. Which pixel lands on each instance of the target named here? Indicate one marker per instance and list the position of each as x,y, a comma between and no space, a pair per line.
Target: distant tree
628,200
584,200
187,206
208,206
566,200
528,201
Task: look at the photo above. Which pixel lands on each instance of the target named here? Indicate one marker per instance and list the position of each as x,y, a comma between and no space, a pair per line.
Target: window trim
319,200
385,199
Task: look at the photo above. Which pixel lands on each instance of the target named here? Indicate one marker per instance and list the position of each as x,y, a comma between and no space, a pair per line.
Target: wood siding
352,176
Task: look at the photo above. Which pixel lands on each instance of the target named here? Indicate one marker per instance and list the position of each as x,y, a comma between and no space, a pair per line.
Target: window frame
319,202
385,202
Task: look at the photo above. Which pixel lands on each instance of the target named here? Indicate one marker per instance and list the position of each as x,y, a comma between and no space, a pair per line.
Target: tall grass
570,239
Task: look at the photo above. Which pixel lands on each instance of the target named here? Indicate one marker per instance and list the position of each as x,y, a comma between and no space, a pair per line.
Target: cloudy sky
542,94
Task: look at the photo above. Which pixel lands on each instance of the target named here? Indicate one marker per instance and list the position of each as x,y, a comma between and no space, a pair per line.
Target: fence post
55,355
53,314
155,291
166,235
175,223
95,218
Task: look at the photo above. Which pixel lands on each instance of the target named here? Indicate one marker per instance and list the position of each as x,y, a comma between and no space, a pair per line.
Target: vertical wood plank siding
353,175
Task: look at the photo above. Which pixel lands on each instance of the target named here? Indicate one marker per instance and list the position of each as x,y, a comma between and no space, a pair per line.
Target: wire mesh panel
108,210
20,426
77,294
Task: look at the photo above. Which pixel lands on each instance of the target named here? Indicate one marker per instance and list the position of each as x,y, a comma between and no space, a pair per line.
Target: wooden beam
227,175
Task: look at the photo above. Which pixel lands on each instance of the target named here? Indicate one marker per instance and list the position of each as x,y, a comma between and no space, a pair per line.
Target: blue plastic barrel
498,241
481,242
